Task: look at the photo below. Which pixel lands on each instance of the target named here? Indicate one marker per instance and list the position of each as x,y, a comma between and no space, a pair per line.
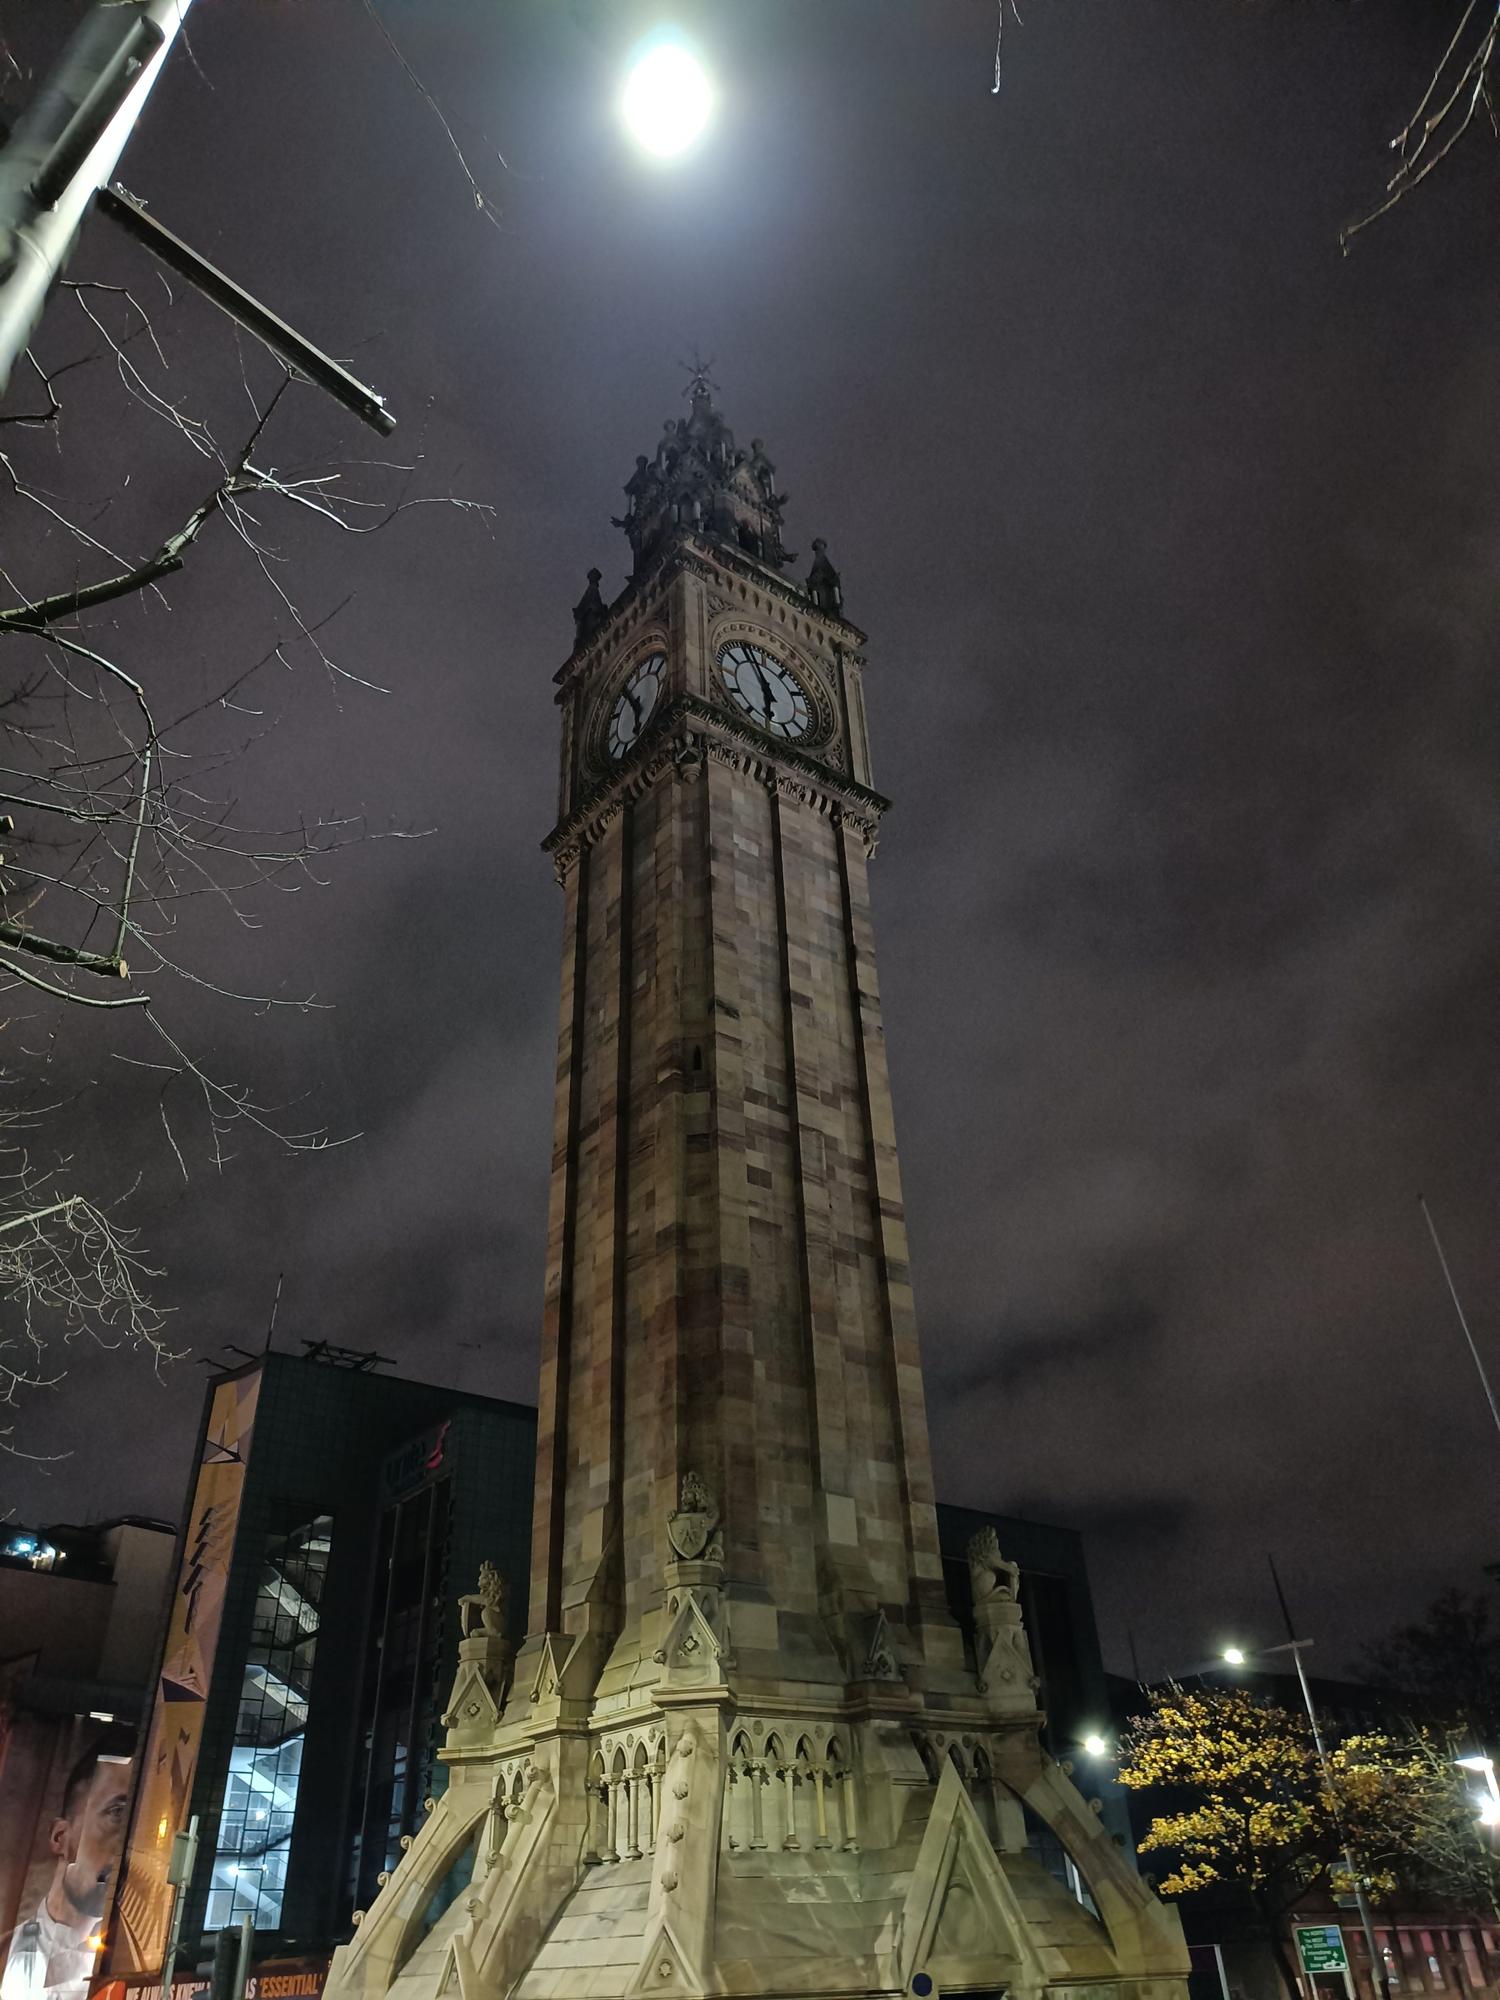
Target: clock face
634,704
766,689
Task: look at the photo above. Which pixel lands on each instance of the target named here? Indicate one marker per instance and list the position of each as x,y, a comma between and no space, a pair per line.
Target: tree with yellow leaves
1246,1805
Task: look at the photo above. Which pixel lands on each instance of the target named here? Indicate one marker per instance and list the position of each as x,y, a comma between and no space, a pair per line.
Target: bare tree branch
116,835
1457,90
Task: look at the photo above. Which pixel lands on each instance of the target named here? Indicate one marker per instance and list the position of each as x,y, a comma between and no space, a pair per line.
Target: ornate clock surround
651,639
823,719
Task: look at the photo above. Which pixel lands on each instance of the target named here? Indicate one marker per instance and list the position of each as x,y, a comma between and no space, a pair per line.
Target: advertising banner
276,1979
75,1805
136,1935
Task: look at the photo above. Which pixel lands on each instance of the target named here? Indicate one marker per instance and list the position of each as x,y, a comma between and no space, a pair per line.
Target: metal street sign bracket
284,341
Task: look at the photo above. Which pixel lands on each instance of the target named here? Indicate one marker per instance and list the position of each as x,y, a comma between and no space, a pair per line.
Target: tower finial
700,383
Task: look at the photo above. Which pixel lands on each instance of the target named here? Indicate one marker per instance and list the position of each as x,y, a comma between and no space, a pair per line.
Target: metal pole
180,1866
297,352
1295,1647
225,1966
1484,1380
242,1963
65,146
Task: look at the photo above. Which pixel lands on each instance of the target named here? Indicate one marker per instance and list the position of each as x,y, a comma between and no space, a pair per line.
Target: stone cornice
690,732
707,559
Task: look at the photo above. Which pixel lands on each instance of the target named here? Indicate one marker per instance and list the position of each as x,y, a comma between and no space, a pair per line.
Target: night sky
1175,533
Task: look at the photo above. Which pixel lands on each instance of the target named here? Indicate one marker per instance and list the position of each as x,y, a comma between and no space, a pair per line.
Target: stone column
756,1773
851,1822
788,1777
819,1779
633,1786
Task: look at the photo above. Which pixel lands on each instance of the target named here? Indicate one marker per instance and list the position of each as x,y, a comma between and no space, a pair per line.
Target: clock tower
745,1748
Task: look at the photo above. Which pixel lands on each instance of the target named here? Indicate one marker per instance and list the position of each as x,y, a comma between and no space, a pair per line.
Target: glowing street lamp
1234,1656
1489,1805
667,99
1095,1745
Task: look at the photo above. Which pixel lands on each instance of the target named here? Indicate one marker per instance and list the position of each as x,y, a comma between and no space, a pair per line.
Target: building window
1056,1859
265,1762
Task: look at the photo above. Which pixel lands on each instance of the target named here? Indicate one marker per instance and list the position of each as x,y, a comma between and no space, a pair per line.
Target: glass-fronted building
410,1657
259,1806
368,1505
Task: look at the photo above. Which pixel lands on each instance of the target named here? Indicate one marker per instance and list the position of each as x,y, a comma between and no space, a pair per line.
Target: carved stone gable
474,1706
879,1662
692,1649
961,1910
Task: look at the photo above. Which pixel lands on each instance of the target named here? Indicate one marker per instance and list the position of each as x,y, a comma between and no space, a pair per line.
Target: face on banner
51,1951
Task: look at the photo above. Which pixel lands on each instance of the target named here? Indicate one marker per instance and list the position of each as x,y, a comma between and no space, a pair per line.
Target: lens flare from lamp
667,98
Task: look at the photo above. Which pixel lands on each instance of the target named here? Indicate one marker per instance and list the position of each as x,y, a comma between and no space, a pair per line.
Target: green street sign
1321,1948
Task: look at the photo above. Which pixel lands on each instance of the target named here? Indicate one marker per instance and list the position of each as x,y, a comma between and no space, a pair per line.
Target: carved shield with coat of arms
688,1530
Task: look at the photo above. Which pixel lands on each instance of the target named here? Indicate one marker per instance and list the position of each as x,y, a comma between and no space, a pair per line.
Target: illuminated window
265,1763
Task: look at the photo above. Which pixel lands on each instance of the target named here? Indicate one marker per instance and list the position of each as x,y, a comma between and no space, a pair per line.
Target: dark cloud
1033,1357
1127,1527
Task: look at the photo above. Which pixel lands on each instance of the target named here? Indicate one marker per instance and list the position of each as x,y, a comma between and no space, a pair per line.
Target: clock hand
765,691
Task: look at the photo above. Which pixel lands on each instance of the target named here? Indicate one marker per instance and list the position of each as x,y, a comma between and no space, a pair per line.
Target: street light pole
65,146
1237,1657
1296,1647
1362,1903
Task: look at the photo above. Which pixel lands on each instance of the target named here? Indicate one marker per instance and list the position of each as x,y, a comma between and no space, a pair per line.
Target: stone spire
824,586
590,612
699,482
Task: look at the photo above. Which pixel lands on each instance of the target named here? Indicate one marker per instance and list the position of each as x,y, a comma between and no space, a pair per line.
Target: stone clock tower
745,1749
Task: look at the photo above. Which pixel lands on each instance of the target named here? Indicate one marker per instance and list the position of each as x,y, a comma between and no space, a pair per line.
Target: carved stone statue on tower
484,1609
1007,1676
742,1751
485,1657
